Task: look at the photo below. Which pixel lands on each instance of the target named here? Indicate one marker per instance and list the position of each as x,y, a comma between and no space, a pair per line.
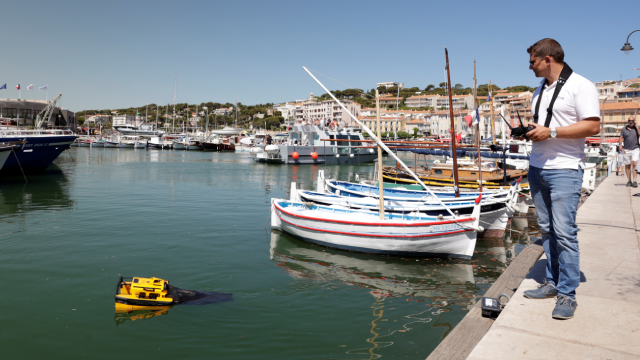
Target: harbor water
198,219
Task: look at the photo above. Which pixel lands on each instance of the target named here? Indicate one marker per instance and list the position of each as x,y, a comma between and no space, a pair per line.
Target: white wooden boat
412,234
494,213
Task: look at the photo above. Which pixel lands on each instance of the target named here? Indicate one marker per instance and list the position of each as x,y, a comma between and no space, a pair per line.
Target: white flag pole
381,144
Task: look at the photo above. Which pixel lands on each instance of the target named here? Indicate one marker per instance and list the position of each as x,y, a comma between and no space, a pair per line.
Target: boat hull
37,154
325,155
210,146
433,239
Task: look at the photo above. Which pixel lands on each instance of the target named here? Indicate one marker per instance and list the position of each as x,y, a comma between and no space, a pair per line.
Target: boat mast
453,129
236,111
380,178
493,123
475,101
175,86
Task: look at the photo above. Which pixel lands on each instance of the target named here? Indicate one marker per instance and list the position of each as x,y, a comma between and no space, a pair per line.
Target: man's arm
620,143
579,130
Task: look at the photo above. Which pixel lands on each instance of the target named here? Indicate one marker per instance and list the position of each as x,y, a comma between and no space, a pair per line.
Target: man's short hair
632,118
547,47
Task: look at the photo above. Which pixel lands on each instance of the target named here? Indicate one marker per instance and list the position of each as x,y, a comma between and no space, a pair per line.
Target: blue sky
116,54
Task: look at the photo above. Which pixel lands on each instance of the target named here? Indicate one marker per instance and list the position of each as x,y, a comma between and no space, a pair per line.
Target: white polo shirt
578,100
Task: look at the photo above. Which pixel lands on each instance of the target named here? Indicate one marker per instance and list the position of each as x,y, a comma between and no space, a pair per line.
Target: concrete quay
607,321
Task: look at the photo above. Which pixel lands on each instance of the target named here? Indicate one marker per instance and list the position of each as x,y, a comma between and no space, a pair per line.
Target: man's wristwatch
553,133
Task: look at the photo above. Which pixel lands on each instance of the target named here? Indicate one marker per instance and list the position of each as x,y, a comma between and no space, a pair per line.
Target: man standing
629,135
566,110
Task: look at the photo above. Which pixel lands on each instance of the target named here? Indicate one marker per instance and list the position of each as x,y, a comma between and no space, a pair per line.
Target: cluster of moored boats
196,141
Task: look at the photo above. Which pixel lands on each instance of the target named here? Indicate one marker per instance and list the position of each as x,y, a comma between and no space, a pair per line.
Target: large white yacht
309,144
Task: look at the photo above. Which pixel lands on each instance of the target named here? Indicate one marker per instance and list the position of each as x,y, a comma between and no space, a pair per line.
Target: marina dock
607,320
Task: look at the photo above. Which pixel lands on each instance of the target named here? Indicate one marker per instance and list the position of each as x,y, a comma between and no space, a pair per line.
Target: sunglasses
534,61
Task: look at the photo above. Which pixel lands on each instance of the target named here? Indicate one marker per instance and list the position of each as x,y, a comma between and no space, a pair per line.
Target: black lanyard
564,76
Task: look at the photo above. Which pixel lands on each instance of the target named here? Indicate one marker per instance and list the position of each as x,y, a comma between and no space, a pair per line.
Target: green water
198,219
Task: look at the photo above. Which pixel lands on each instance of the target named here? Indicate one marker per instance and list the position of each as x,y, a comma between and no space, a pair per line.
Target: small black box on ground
491,307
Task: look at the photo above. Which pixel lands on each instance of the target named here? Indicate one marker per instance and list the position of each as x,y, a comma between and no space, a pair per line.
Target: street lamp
627,47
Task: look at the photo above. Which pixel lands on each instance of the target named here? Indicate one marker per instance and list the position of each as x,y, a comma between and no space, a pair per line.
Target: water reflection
384,276
122,317
436,282
49,191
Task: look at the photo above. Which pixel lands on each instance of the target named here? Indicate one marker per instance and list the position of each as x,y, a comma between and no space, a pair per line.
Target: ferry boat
309,144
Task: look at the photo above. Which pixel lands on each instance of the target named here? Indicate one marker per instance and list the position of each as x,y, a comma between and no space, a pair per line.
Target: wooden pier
607,320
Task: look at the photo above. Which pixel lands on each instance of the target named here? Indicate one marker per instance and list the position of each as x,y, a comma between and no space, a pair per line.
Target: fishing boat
346,188
210,145
466,173
412,234
159,143
128,142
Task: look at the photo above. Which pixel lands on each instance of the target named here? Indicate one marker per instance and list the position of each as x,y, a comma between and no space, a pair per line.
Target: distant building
460,102
390,84
421,101
387,124
24,112
223,111
96,119
287,110
312,112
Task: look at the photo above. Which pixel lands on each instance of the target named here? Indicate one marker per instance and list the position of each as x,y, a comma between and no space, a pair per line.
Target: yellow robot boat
137,293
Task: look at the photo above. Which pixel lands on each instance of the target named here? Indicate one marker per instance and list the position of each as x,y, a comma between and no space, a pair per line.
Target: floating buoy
337,155
295,155
371,151
351,155
314,155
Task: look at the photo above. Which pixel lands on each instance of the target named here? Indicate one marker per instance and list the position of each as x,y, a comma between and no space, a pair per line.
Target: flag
636,69
458,137
18,87
489,97
43,87
30,87
3,86
472,118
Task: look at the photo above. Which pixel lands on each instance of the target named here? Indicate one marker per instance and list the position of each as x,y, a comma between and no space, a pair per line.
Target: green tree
415,132
403,134
429,87
442,85
382,89
352,92
392,90
364,102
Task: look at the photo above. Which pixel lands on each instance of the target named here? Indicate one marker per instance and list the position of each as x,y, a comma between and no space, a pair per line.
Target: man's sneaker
629,183
565,308
635,184
543,291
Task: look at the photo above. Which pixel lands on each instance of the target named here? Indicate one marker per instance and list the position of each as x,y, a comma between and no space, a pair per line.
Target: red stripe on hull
370,235
376,224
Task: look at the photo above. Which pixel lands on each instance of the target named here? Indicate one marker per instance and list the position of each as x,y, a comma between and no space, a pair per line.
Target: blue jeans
556,194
